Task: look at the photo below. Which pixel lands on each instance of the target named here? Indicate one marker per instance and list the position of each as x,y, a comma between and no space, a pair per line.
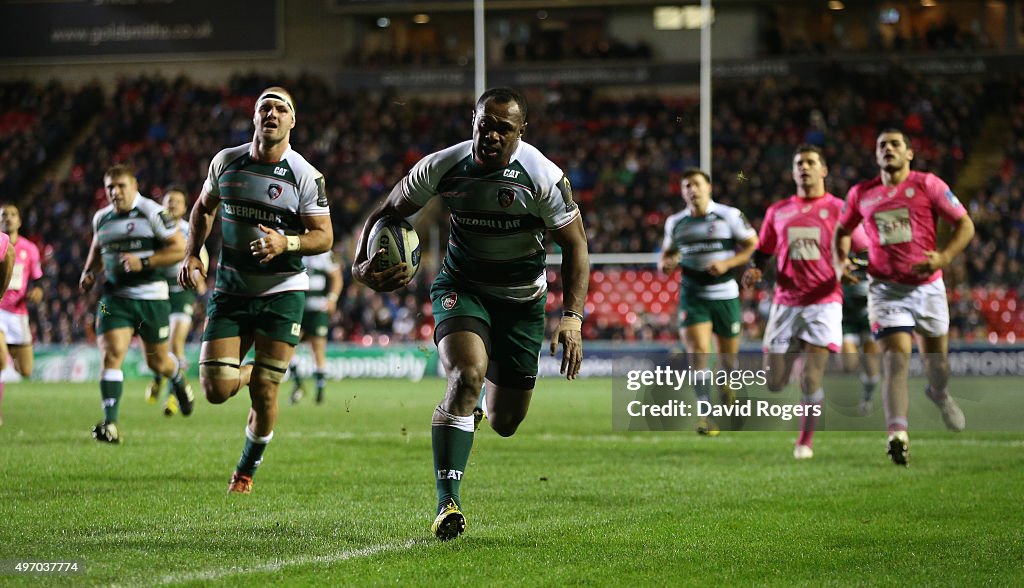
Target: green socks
452,441
111,388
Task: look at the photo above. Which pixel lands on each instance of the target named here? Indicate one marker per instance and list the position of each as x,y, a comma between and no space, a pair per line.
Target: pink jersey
900,223
859,240
26,268
799,232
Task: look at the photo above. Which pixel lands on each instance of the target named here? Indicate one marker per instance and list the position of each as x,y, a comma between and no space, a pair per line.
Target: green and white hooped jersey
141,231
498,217
319,267
276,195
705,239
171,272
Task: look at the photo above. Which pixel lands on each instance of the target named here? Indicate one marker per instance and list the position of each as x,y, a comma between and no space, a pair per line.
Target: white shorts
178,317
15,328
817,324
852,338
922,308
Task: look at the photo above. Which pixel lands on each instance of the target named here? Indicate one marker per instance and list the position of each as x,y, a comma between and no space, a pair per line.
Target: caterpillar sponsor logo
449,475
251,212
489,223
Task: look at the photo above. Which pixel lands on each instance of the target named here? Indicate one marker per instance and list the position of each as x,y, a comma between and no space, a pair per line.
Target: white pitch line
218,573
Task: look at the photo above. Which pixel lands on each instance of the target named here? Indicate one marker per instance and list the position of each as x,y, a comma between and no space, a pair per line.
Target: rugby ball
398,240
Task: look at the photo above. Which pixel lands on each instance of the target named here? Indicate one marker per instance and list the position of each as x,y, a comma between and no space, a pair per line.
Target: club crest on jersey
506,196
823,213
449,300
275,191
909,192
129,228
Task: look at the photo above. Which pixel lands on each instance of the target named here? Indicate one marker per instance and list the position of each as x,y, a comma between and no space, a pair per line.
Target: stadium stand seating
622,155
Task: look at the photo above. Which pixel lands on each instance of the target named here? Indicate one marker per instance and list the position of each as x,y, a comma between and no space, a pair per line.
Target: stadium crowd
622,156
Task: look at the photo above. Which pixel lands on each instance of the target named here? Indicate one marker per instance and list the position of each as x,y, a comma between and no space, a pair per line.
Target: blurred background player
906,293
708,240
325,284
273,209
15,333
860,350
133,237
182,302
488,299
807,312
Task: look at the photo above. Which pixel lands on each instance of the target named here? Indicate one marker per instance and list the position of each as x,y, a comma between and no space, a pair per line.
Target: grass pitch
345,496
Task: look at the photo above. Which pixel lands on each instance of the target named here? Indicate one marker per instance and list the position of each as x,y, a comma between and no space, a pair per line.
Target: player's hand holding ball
393,256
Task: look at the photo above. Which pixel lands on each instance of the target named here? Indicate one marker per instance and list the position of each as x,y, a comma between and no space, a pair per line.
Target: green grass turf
346,496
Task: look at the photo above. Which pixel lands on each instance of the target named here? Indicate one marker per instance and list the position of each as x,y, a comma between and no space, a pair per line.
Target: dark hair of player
694,171
808,148
504,95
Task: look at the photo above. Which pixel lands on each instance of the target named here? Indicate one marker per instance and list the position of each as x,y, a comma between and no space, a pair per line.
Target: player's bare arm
93,264
743,255
572,238
6,269
395,205
171,253
753,274
669,261
335,282
963,232
841,245
200,224
318,238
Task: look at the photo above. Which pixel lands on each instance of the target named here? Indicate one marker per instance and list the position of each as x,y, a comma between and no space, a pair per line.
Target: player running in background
859,348
325,284
807,312
503,195
15,332
182,302
6,262
273,209
707,240
906,292
133,238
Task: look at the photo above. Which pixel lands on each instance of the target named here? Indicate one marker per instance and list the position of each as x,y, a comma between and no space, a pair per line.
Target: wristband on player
572,313
293,242
145,263
570,322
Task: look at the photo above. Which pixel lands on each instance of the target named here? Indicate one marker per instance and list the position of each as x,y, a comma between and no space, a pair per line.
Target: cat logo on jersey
275,191
449,300
506,196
